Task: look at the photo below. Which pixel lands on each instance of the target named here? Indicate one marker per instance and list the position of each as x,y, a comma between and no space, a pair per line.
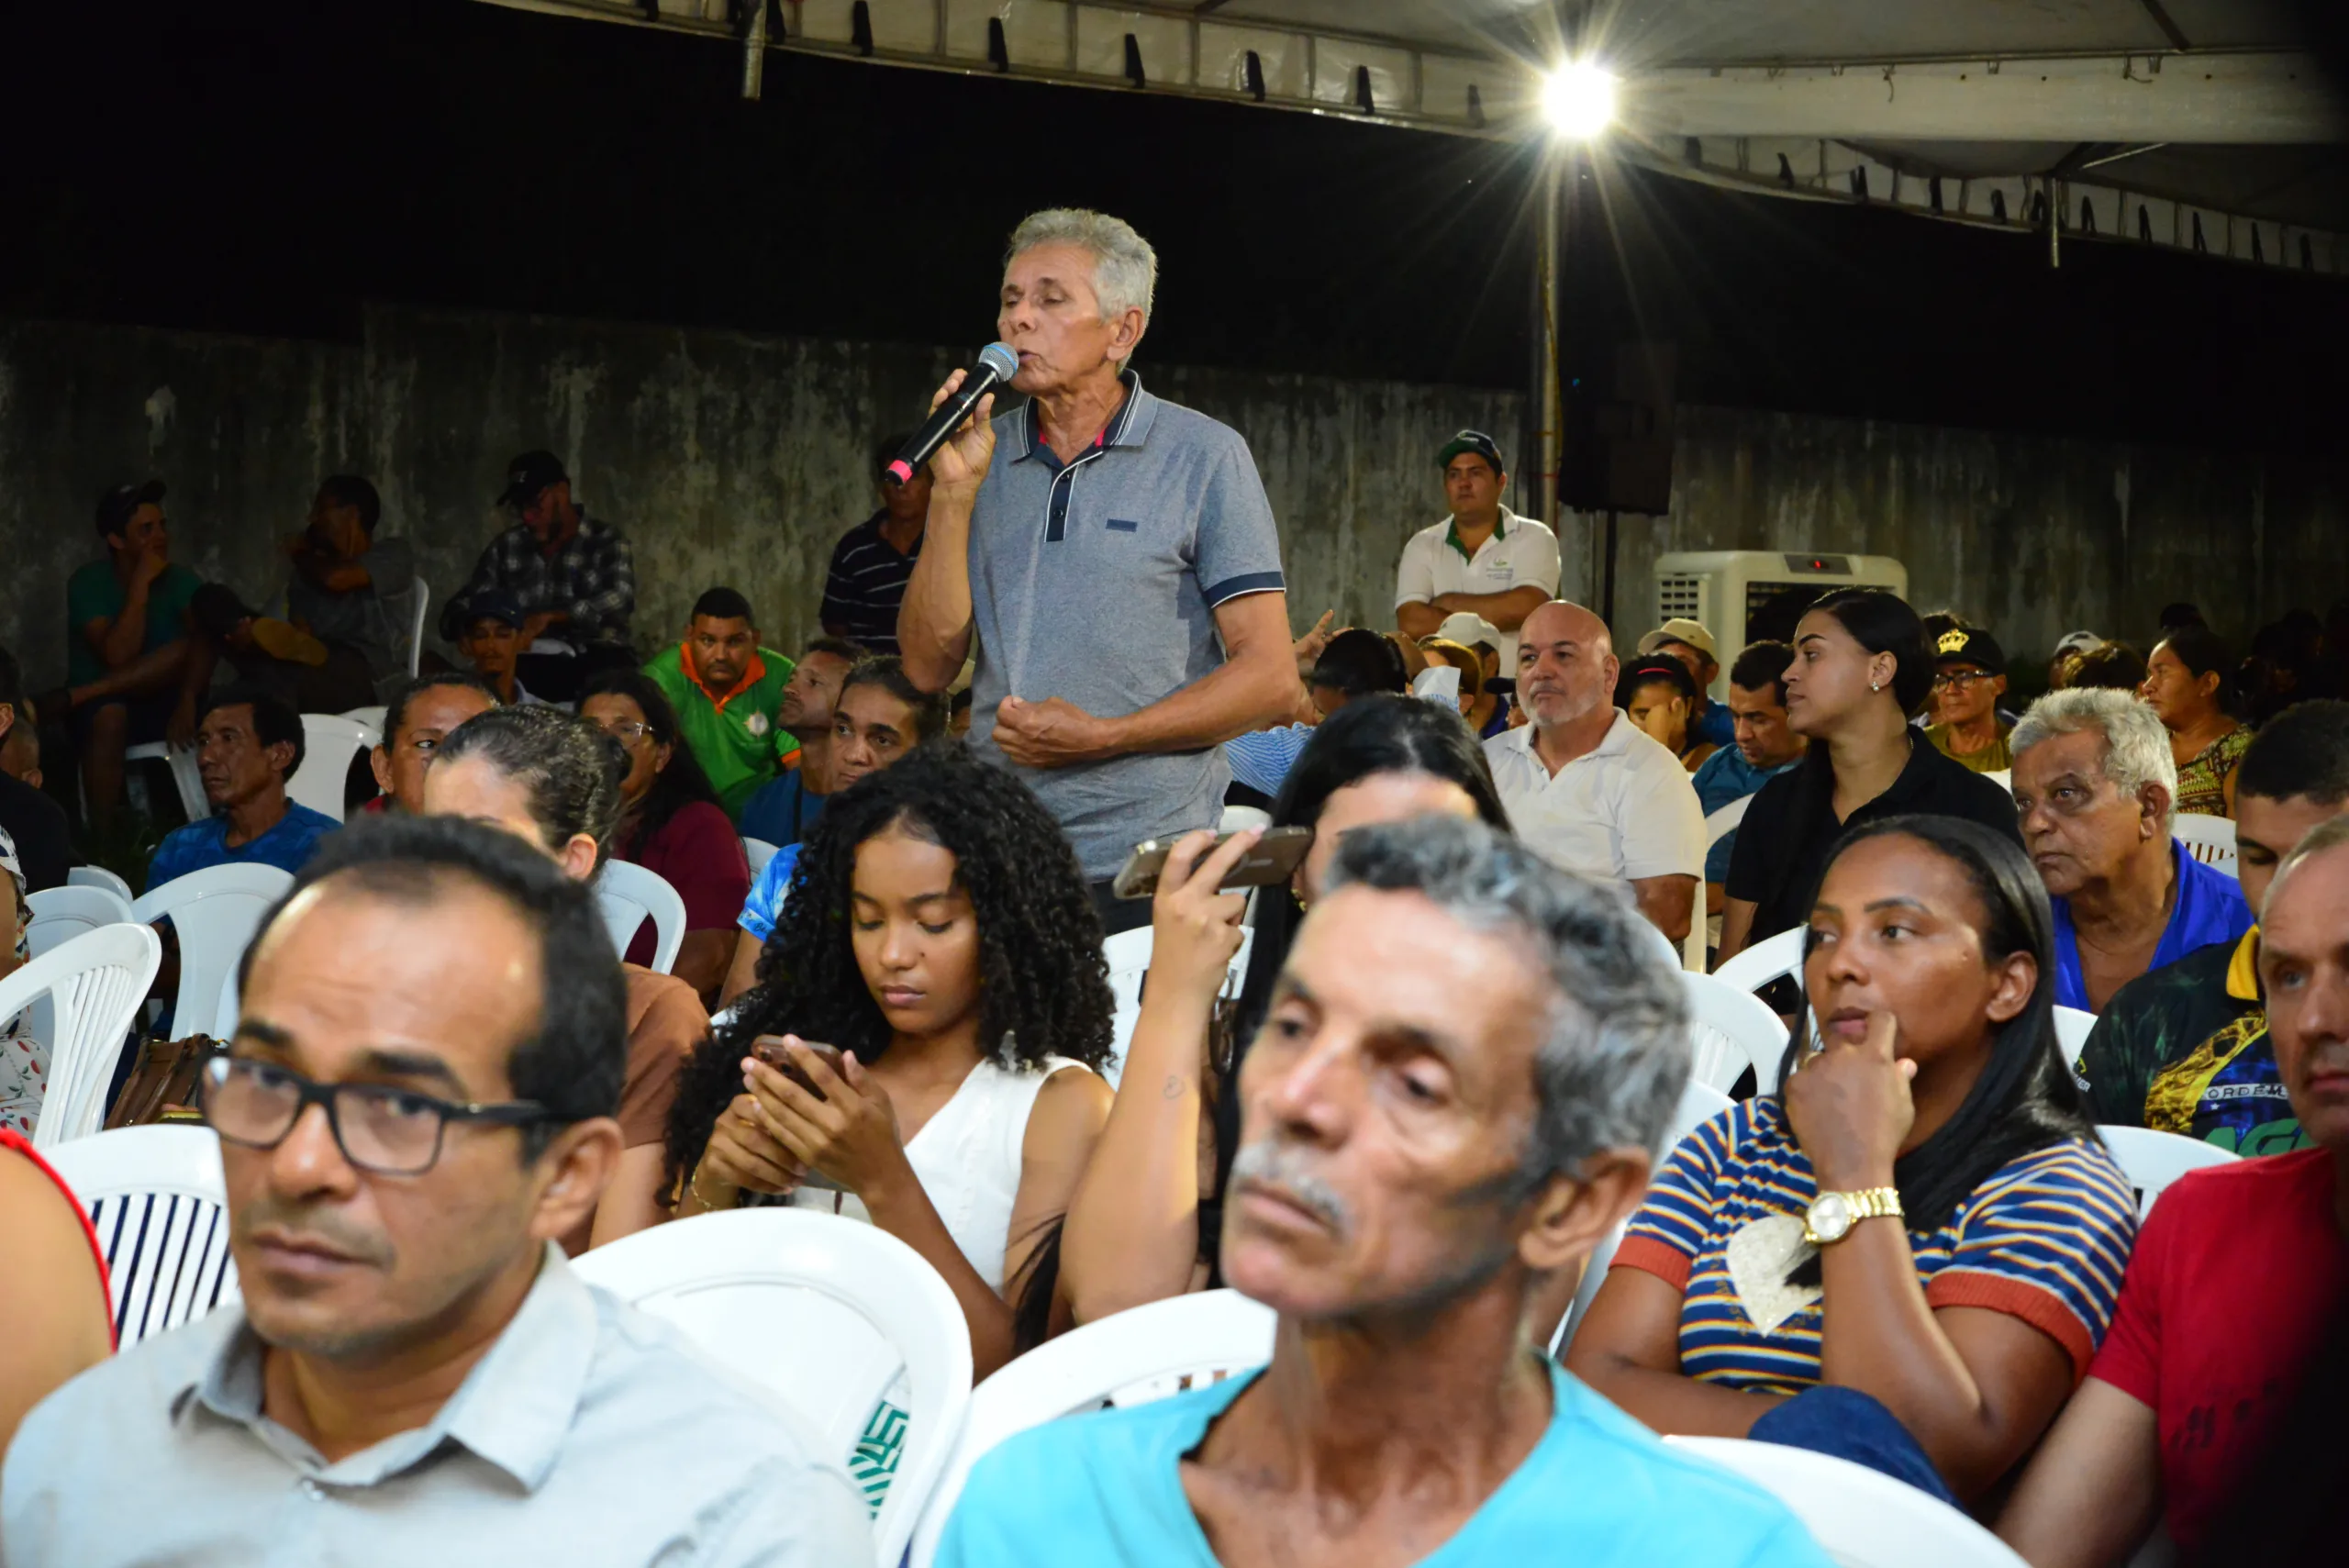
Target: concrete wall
733,458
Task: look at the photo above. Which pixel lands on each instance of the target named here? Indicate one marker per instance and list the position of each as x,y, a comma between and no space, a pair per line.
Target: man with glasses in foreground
418,1099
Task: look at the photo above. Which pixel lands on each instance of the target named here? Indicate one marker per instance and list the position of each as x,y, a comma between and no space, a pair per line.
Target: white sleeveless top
968,1158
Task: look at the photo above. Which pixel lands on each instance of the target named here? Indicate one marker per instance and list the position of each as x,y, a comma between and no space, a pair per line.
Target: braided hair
1044,986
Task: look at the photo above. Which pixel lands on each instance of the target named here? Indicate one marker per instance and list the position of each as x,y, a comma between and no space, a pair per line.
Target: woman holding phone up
1148,1215
941,938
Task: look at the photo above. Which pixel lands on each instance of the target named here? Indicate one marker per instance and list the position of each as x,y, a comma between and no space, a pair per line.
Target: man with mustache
1588,789
248,744
1466,1061
2234,1292
418,1100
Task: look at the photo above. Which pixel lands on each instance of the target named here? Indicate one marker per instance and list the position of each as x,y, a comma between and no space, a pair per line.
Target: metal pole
1556,169
754,48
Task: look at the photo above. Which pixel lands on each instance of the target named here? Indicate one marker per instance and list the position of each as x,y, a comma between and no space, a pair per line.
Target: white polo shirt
1624,811
1522,551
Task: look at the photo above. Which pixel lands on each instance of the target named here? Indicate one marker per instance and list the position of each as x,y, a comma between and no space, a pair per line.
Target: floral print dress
24,1061
2202,782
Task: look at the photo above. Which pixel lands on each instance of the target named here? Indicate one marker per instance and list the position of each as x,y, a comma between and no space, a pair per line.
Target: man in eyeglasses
418,1099
1970,677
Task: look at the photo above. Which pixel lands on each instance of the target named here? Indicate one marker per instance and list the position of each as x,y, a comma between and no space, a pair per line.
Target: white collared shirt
1622,811
1520,552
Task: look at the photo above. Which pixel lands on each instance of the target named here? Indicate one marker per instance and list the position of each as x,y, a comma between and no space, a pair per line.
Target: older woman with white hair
2096,786
1127,621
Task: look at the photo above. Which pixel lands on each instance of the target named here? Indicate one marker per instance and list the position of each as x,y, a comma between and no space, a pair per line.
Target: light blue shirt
1262,758
1599,1491
765,903
588,1434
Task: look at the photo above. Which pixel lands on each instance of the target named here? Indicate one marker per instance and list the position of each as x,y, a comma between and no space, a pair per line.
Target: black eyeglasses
392,1133
1958,680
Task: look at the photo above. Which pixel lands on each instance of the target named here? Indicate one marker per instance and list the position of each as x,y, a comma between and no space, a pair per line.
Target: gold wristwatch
1831,1215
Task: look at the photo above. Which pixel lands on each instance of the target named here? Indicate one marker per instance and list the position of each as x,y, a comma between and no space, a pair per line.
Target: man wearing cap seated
1690,643
1481,559
573,576
492,635
1469,1056
1488,715
1970,677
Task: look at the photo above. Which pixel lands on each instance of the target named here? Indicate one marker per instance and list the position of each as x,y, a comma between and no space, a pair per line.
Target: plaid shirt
592,577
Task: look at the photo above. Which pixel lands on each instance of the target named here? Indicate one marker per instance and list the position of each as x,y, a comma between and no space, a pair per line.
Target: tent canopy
2201,124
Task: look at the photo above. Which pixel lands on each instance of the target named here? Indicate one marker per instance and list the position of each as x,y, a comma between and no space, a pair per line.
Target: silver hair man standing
2095,785
1118,567
1466,1059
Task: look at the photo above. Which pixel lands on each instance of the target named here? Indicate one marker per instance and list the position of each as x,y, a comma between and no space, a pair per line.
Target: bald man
1586,788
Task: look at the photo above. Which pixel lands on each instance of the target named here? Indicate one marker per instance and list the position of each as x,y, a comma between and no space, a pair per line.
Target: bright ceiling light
1578,100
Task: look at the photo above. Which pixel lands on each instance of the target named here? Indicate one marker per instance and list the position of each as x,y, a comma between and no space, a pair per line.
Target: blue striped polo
1097,581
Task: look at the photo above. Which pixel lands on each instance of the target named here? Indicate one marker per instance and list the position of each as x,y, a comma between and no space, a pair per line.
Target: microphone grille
1002,359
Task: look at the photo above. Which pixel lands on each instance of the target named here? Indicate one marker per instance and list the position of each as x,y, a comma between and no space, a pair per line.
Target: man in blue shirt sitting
248,744
1467,1058
2095,786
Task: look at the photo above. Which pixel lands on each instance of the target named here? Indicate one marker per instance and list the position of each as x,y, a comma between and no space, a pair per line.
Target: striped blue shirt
2044,1239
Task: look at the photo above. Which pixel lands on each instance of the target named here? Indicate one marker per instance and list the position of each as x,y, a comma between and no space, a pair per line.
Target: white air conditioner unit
1723,589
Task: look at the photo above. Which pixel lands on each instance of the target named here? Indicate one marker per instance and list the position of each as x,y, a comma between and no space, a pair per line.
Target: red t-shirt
697,853
2236,1274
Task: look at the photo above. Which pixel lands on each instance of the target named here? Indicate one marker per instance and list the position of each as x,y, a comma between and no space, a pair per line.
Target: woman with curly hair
941,936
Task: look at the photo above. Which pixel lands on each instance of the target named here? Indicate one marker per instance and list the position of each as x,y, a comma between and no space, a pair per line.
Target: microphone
998,365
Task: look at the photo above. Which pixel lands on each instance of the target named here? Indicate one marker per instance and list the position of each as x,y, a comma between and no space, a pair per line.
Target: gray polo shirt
588,1434
1097,582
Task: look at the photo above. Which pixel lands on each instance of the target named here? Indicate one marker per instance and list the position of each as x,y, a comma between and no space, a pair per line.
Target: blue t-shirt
1723,777
204,842
1106,1491
782,810
766,902
2209,908
1716,724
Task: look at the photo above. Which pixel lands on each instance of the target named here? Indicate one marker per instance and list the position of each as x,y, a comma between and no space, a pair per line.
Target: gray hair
1125,269
2328,834
1616,1055
2136,747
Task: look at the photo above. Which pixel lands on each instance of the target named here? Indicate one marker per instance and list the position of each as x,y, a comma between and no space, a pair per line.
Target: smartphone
1275,858
770,1048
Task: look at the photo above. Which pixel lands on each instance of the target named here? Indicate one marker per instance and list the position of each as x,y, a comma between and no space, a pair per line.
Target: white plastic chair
215,912
1698,1105
1731,1030
373,717
184,778
159,1205
1237,818
330,741
1861,1518
821,1311
98,876
2153,1159
2211,840
394,608
91,988
1129,1358
2004,778
1719,824
758,852
2072,1027
628,895
1127,953
1772,957
61,914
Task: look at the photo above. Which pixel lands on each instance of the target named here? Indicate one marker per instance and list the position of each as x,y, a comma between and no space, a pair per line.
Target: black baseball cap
1475,441
494,603
116,506
528,475
1970,645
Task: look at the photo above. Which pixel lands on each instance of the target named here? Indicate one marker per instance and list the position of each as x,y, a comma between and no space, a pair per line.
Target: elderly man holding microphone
1115,556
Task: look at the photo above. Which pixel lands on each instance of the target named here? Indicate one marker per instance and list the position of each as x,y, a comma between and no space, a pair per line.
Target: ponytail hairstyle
571,769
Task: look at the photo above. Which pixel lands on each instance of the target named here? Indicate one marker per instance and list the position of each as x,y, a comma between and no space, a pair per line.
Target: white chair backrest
372,718
1731,1030
184,777
329,741
2072,1027
1129,1358
1861,1518
758,852
825,1313
61,914
1127,954
2211,840
156,1197
2153,1159
93,985
215,912
1698,1105
1237,818
1723,822
98,876
2004,778
629,896
1772,957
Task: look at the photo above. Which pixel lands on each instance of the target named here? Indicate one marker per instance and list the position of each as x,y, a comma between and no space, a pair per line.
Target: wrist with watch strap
1831,1215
